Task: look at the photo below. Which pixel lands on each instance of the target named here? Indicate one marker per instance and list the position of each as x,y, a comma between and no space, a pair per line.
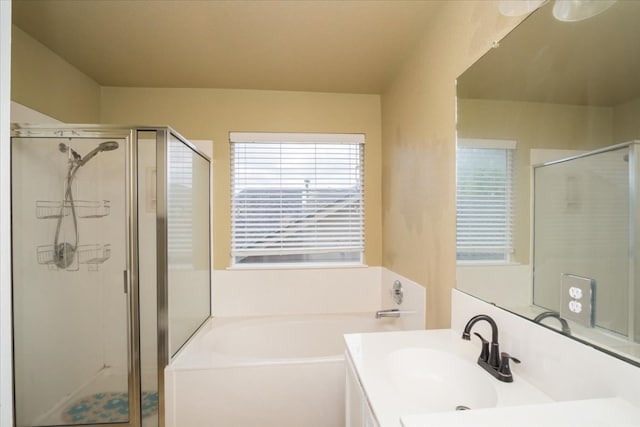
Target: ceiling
323,45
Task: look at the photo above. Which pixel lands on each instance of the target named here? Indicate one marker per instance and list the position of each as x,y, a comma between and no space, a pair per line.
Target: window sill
295,266
487,264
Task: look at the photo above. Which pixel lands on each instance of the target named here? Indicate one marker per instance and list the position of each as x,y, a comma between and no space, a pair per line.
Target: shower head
108,146
103,146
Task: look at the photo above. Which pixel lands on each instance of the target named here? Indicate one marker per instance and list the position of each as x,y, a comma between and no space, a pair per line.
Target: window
179,204
297,198
485,198
188,197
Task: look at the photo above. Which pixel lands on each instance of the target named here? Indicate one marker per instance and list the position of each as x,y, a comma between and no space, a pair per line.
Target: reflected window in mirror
485,200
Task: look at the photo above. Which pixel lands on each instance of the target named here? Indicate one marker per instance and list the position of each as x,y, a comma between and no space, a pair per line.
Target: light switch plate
577,299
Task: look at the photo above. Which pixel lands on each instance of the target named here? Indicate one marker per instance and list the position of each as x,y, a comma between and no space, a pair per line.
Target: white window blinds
297,197
485,198
180,204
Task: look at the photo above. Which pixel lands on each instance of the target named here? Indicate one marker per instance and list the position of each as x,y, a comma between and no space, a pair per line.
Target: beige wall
418,131
533,125
626,121
213,113
44,82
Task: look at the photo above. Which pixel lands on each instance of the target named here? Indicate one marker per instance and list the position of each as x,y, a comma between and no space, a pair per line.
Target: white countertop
583,413
371,355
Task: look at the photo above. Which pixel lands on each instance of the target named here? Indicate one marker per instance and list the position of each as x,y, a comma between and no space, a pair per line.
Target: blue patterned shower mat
107,407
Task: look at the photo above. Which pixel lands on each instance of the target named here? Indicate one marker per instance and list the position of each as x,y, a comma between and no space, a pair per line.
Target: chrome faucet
394,312
565,326
490,359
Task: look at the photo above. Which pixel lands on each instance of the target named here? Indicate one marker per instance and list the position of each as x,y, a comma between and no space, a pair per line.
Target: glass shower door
581,227
71,304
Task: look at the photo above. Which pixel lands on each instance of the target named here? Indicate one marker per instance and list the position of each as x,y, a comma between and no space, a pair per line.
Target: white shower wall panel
109,184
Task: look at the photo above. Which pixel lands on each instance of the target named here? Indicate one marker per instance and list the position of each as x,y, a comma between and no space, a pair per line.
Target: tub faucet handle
396,292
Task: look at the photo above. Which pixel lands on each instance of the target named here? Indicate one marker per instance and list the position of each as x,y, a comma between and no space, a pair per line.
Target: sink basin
434,380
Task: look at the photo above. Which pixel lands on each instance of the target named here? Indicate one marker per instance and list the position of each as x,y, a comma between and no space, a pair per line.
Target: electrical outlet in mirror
577,299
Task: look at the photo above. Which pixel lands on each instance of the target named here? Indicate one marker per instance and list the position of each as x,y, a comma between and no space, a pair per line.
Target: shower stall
586,227
111,269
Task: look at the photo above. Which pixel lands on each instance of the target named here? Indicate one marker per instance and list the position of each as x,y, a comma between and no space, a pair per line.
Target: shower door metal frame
633,326
162,251
131,273
164,356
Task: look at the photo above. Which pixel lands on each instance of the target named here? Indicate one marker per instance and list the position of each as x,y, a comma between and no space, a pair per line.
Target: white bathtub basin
439,380
421,372
285,371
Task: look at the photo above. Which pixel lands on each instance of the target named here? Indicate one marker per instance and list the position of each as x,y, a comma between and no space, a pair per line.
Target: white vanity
430,378
391,375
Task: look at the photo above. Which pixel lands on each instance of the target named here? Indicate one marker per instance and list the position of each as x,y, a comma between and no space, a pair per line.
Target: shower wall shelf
46,255
48,209
92,255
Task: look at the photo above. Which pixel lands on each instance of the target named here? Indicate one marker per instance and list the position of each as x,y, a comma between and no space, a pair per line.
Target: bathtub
268,371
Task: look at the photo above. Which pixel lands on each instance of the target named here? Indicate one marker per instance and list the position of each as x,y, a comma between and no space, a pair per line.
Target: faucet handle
505,369
484,354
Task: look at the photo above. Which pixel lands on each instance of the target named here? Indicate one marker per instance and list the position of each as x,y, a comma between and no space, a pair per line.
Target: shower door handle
126,281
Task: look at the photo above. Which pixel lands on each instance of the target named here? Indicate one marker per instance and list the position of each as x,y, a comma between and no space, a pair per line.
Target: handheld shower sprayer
104,146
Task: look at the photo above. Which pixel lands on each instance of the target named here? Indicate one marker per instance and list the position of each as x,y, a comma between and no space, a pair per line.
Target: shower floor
107,407
103,399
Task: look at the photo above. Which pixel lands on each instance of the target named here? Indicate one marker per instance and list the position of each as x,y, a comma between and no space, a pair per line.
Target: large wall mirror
547,175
